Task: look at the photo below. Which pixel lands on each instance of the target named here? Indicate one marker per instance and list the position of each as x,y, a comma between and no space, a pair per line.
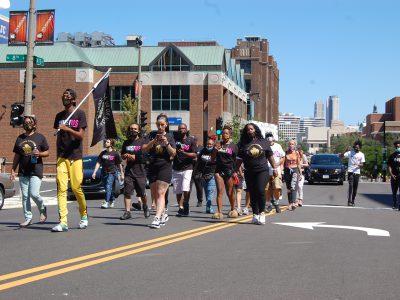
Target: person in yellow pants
69,159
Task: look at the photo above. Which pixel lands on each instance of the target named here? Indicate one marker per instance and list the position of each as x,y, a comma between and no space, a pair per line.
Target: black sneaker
146,211
137,206
268,209
127,215
186,210
199,203
277,208
180,212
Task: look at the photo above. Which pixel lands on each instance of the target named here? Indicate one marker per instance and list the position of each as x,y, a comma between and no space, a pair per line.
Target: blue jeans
30,188
108,182
209,189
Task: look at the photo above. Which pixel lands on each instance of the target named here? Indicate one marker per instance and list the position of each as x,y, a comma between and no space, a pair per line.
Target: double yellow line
85,261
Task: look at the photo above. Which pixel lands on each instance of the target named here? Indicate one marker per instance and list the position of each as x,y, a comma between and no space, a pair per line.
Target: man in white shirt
273,189
356,161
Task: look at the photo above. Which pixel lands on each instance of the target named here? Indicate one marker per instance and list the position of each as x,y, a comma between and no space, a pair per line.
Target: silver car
7,188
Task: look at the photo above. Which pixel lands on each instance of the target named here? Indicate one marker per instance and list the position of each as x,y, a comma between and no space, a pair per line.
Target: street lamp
139,43
384,165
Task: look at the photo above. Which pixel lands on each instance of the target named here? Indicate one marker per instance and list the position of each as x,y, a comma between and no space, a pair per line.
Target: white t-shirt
355,158
278,154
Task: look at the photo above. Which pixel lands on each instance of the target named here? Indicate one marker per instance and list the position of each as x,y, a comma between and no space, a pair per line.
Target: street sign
175,121
38,60
16,57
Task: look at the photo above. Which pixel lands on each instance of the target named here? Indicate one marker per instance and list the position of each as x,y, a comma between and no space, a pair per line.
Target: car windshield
325,160
89,162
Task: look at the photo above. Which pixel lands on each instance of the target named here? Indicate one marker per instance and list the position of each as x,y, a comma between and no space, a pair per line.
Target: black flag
104,126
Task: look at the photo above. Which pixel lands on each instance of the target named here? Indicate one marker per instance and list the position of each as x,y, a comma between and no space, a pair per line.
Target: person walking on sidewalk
29,149
69,159
109,159
135,173
293,172
394,171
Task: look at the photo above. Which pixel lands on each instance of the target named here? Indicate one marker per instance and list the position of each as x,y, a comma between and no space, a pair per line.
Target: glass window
245,64
171,61
174,97
247,82
117,94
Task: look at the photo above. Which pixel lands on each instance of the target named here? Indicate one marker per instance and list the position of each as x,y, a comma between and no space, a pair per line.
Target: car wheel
1,197
340,182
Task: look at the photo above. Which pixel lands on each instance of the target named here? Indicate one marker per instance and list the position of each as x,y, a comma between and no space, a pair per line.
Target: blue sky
348,48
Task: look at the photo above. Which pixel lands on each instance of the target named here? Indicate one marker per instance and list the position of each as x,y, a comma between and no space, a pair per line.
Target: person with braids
29,149
255,153
224,154
161,147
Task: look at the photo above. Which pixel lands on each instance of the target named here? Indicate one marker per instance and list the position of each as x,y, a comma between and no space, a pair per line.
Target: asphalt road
199,258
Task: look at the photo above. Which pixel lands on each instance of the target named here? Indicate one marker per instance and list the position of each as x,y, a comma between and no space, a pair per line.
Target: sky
348,48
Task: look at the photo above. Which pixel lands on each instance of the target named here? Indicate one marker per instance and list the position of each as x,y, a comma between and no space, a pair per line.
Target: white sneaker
256,219
105,205
164,219
245,211
111,205
83,224
156,223
60,228
239,211
262,219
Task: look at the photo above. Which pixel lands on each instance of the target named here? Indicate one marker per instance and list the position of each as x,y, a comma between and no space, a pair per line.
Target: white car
7,188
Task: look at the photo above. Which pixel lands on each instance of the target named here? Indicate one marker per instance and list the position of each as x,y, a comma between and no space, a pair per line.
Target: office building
332,110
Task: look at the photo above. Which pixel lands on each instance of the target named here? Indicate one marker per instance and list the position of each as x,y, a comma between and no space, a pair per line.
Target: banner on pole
45,27
17,28
104,125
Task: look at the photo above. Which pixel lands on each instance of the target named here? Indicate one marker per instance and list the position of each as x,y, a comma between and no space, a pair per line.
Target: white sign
311,225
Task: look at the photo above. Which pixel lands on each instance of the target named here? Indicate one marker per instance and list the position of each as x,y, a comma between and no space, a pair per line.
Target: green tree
236,127
129,116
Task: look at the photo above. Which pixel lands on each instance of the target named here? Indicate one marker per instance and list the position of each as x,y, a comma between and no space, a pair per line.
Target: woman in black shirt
255,153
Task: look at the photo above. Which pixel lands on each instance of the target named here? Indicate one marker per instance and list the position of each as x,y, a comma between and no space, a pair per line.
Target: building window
245,64
171,61
247,82
230,96
117,94
170,97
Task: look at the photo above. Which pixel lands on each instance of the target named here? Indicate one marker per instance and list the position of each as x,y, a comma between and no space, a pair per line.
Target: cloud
5,4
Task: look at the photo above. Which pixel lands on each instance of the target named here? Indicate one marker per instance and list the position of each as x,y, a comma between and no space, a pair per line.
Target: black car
326,168
93,188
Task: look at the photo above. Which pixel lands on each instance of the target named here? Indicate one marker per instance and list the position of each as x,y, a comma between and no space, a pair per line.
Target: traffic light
143,118
33,84
219,125
16,118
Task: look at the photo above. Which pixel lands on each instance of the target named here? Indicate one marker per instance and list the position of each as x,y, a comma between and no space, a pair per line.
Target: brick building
261,74
194,83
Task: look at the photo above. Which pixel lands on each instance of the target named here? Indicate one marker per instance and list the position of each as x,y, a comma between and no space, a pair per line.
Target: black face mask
28,127
356,150
66,102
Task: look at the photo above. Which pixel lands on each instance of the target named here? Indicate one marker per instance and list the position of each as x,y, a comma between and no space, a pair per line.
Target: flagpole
84,99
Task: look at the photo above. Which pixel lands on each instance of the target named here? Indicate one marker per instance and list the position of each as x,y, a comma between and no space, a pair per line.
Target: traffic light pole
29,60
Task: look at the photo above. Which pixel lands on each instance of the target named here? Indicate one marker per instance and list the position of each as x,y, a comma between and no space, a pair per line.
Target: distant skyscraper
332,110
289,126
319,110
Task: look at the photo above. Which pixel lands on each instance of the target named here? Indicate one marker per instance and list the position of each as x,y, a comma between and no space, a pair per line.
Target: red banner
45,27
17,28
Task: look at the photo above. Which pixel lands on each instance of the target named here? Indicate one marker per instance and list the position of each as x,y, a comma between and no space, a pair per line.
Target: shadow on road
384,199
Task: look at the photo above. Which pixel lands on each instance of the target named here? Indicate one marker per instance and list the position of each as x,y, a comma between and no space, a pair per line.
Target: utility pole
384,152
29,59
139,106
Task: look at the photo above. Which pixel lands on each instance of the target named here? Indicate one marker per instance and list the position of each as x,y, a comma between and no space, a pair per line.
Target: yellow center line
204,230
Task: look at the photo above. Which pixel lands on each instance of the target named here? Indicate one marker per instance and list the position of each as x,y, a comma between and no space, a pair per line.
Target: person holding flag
71,124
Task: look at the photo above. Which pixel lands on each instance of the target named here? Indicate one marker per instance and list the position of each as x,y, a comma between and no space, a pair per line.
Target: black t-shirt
226,157
158,153
136,167
255,154
109,160
394,163
204,163
68,146
24,146
181,161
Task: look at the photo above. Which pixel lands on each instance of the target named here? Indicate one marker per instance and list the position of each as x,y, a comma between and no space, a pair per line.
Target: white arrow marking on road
311,225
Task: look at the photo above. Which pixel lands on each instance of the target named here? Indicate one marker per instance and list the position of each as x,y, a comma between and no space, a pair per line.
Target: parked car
93,188
326,168
7,188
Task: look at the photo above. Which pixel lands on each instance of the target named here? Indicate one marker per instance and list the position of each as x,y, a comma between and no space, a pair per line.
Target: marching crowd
255,165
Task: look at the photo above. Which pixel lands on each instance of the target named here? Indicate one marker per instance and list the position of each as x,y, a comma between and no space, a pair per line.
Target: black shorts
137,184
162,172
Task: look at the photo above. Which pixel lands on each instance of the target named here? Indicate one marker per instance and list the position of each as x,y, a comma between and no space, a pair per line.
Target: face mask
210,148
398,150
291,148
356,150
66,102
28,127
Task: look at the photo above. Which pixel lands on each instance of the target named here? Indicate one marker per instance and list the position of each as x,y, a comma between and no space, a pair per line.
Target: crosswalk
16,202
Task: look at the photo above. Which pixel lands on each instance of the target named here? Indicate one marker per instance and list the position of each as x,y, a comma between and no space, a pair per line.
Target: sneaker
209,210
26,223
83,223
245,211
164,219
127,215
186,210
156,223
239,211
199,204
181,212
111,205
262,219
137,206
268,209
146,211
105,205
60,228
277,208
43,215
256,219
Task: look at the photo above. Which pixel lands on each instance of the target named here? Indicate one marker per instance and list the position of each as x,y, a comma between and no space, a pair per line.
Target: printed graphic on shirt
108,157
183,146
72,123
255,151
206,158
27,146
133,149
227,150
159,149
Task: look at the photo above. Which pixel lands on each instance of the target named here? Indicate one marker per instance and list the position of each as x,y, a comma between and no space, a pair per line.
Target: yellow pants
72,170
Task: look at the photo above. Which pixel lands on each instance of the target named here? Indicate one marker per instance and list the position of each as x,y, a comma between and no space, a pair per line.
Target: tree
129,116
236,125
